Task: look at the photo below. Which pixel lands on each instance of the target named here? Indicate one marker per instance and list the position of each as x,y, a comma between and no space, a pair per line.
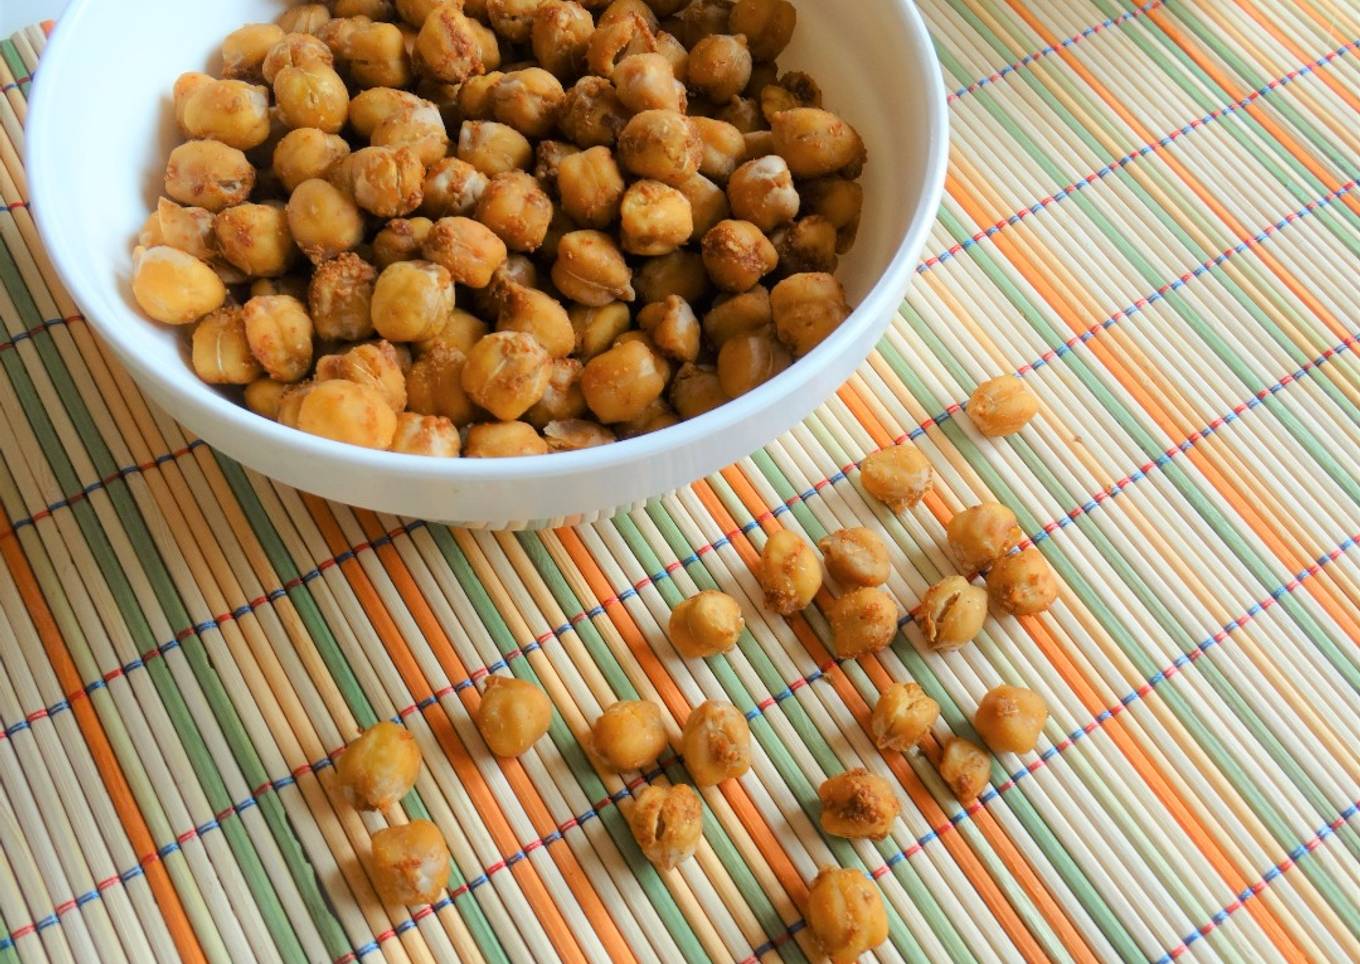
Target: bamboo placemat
1150,216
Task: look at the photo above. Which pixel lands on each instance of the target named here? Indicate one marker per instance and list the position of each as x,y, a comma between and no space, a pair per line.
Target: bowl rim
42,139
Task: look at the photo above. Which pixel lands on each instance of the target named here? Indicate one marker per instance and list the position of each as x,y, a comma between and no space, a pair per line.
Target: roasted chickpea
1022,583
716,743
244,50
336,33
980,535
558,228
722,145
678,273
965,768
673,328
307,153
746,361
263,395
372,108
410,863
295,50
1002,406
1010,719
380,767
620,383
590,269
845,912
675,53
290,401
528,100
559,36
323,220
622,9
220,353
374,364
597,328
188,229
512,19
536,313
517,209
506,373
412,300
468,249
767,24
367,9
744,114
661,145
304,18
654,418
516,270
863,621
695,390
513,715
255,238
701,19
794,89
377,56
562,400
452,188
789,573
574,434
628,735
287,285
346,411
617,40
858,804
591,187
339,297
706,624
719,67
174,288
434,386
429,435
807,246
401,240
742,314
592,114
807,308
737,255
493,148
816,143
762,192
647,82
231,111
952,613
758,144
312,96
898,476
280,335
449,47
548,157
208,174
902,717
415,12
386,181
418,126
707,203
461,330
667,824
838,200
856,557
655,218
503,440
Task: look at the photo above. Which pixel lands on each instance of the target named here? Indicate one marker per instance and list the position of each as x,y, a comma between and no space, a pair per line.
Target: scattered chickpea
856,557
174,288
592,114
807,308
501,440
208,174
380,767
621,9
573,434
513,715
1002,406
323,220
401,240
289,404
562,400
816,142
468,249
598,327
1010,718
591,187
410,863
706,624
231,111
452,187
548,157
678,273
538,314
722,145
591,270
747,361
737,255
429,435
374,364
449,47
789,573
620,383
280,335
506,373
516,208
1022,583
655,219
667,824
965,768
762,192
560,35
628,735
696,390
220,353
661,145
982,534
858,804
512,19
434,386
898,476
386,181
952,613
647,82
716,743
902,717
767,24
345,411
339,298
863,621
419,126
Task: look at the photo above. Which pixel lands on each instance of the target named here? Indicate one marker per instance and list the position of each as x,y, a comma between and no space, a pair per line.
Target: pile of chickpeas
501,227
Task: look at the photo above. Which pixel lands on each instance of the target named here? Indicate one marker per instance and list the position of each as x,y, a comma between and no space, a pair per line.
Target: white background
17,14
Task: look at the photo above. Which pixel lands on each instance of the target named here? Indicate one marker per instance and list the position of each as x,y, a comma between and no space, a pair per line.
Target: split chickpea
902,717
667,823
716,743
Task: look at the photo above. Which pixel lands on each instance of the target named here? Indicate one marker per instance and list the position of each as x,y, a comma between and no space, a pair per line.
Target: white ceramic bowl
100,128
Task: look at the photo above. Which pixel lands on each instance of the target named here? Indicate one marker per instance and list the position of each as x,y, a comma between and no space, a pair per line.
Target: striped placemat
1150,215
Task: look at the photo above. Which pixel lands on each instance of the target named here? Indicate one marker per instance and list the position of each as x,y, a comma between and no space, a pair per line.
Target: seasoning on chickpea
386,181
516,208
716,743
295,50
700,19
592,114
706,624
174,288
415,12
187,229
613,42
816,143
429,435
380,767
673,328
220,353
434,386
667,823
858,804
762,192
263,396
737,255
620,383
789,573
461,330
323,220
654,218
952,613
898,476
808,245
856,557
208,174
468,249
720,67
410,863
401,240
244,49
346,411
528,100
1002,406
449,47
411,300
591,270
231,111
560,35
739,314
747,361
982,534
1010,718
506,373
452,187
312,96
513,715
377,57
339,298
417,125
307,153
494,148
374,364
662,146
628,735
280,335
647,82
591,187
538,314
503,440
902,717
863,621
965,768
1022,583
255,239
767,25
845,912
695,389
840,201
807,308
